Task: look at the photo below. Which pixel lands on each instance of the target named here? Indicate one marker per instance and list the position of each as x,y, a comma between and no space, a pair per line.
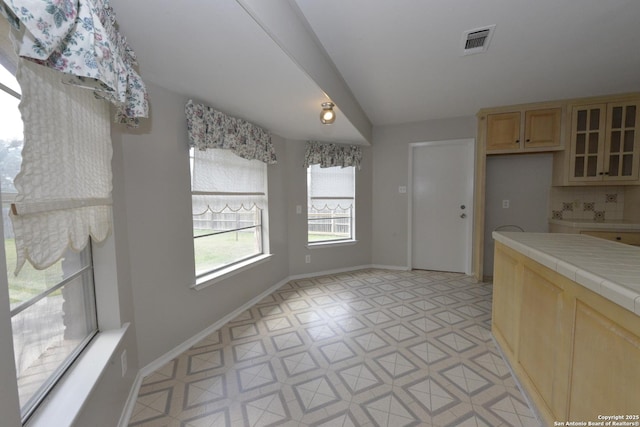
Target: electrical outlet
123,362
298,209
307,259
402,189
505,204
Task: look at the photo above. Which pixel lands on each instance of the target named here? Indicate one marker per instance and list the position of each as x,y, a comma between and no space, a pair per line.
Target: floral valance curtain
209,128
329,155
80,38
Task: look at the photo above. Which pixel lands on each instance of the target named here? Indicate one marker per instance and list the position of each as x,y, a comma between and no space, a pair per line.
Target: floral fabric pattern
80,39
209,128
330,155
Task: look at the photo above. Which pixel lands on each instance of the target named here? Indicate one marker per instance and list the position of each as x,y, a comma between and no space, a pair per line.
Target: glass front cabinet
605,144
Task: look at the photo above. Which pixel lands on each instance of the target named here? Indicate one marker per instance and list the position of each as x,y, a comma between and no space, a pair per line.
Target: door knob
464,215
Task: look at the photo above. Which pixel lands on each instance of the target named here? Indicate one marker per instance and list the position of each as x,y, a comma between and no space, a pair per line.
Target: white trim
331,243
66,400
130,404
225,273
328,272
471,213
391,267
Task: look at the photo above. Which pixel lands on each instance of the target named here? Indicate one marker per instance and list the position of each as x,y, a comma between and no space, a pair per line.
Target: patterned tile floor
366,348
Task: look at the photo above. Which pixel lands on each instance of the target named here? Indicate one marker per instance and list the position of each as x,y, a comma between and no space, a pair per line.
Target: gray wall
390,170
158,211
524,180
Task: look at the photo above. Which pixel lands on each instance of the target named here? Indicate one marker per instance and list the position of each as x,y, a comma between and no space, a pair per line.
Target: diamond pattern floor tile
268,410
466,378
362,348
396,365
255,376
359,378
299,363
315,394
389,411
434,397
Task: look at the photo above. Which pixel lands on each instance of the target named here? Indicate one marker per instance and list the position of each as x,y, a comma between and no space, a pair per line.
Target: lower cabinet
576,354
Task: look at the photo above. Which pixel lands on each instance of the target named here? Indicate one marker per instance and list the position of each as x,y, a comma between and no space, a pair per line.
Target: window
330,203
53,314
229,201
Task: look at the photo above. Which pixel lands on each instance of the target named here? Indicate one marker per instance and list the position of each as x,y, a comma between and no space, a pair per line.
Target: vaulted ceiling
274,62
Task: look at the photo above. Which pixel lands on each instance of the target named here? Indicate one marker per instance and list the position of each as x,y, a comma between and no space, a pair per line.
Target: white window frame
351,216
86,273
212,276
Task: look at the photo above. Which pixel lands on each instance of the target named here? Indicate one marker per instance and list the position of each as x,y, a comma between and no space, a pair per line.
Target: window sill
225,273
331,244
66,400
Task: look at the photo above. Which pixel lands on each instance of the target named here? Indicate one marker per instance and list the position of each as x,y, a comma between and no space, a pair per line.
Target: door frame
470,144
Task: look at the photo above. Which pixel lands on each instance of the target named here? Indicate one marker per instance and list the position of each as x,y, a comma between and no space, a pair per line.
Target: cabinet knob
618,238
517,141
528,140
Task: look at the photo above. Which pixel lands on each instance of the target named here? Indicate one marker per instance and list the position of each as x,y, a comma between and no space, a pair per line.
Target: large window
330,204
229,201
53,314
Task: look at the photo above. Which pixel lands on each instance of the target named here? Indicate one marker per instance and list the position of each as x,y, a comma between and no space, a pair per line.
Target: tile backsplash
590,203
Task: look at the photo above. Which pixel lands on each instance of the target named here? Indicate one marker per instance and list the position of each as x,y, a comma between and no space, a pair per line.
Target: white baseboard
186,345
131,401
391,267
328,272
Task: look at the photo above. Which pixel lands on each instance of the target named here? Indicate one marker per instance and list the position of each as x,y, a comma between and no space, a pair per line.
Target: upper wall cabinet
604,144
524,131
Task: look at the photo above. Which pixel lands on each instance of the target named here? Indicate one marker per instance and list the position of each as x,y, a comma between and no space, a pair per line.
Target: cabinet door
542,128
605,373
503,131
622,148
587,142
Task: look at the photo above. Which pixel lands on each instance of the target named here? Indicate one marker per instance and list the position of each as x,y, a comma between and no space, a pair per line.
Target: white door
441,205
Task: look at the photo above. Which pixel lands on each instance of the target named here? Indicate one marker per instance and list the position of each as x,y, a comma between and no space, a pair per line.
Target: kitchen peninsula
566,315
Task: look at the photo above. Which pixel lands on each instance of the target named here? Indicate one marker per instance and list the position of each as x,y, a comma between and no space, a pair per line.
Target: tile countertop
608,268
584,224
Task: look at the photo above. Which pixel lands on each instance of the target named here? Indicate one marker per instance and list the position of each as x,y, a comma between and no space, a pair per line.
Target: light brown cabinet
605,142
574,352
541,131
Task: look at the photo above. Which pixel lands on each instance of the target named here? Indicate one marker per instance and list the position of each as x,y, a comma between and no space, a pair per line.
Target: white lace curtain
220,180
208,128
331,188
329,155
80,39
64,184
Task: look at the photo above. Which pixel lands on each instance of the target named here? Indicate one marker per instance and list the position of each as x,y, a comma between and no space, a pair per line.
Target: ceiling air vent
477,40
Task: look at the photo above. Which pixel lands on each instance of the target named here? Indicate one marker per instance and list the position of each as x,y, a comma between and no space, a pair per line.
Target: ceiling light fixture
327,115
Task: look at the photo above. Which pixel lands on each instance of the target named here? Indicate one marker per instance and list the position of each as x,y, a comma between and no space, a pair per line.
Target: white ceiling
401,60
